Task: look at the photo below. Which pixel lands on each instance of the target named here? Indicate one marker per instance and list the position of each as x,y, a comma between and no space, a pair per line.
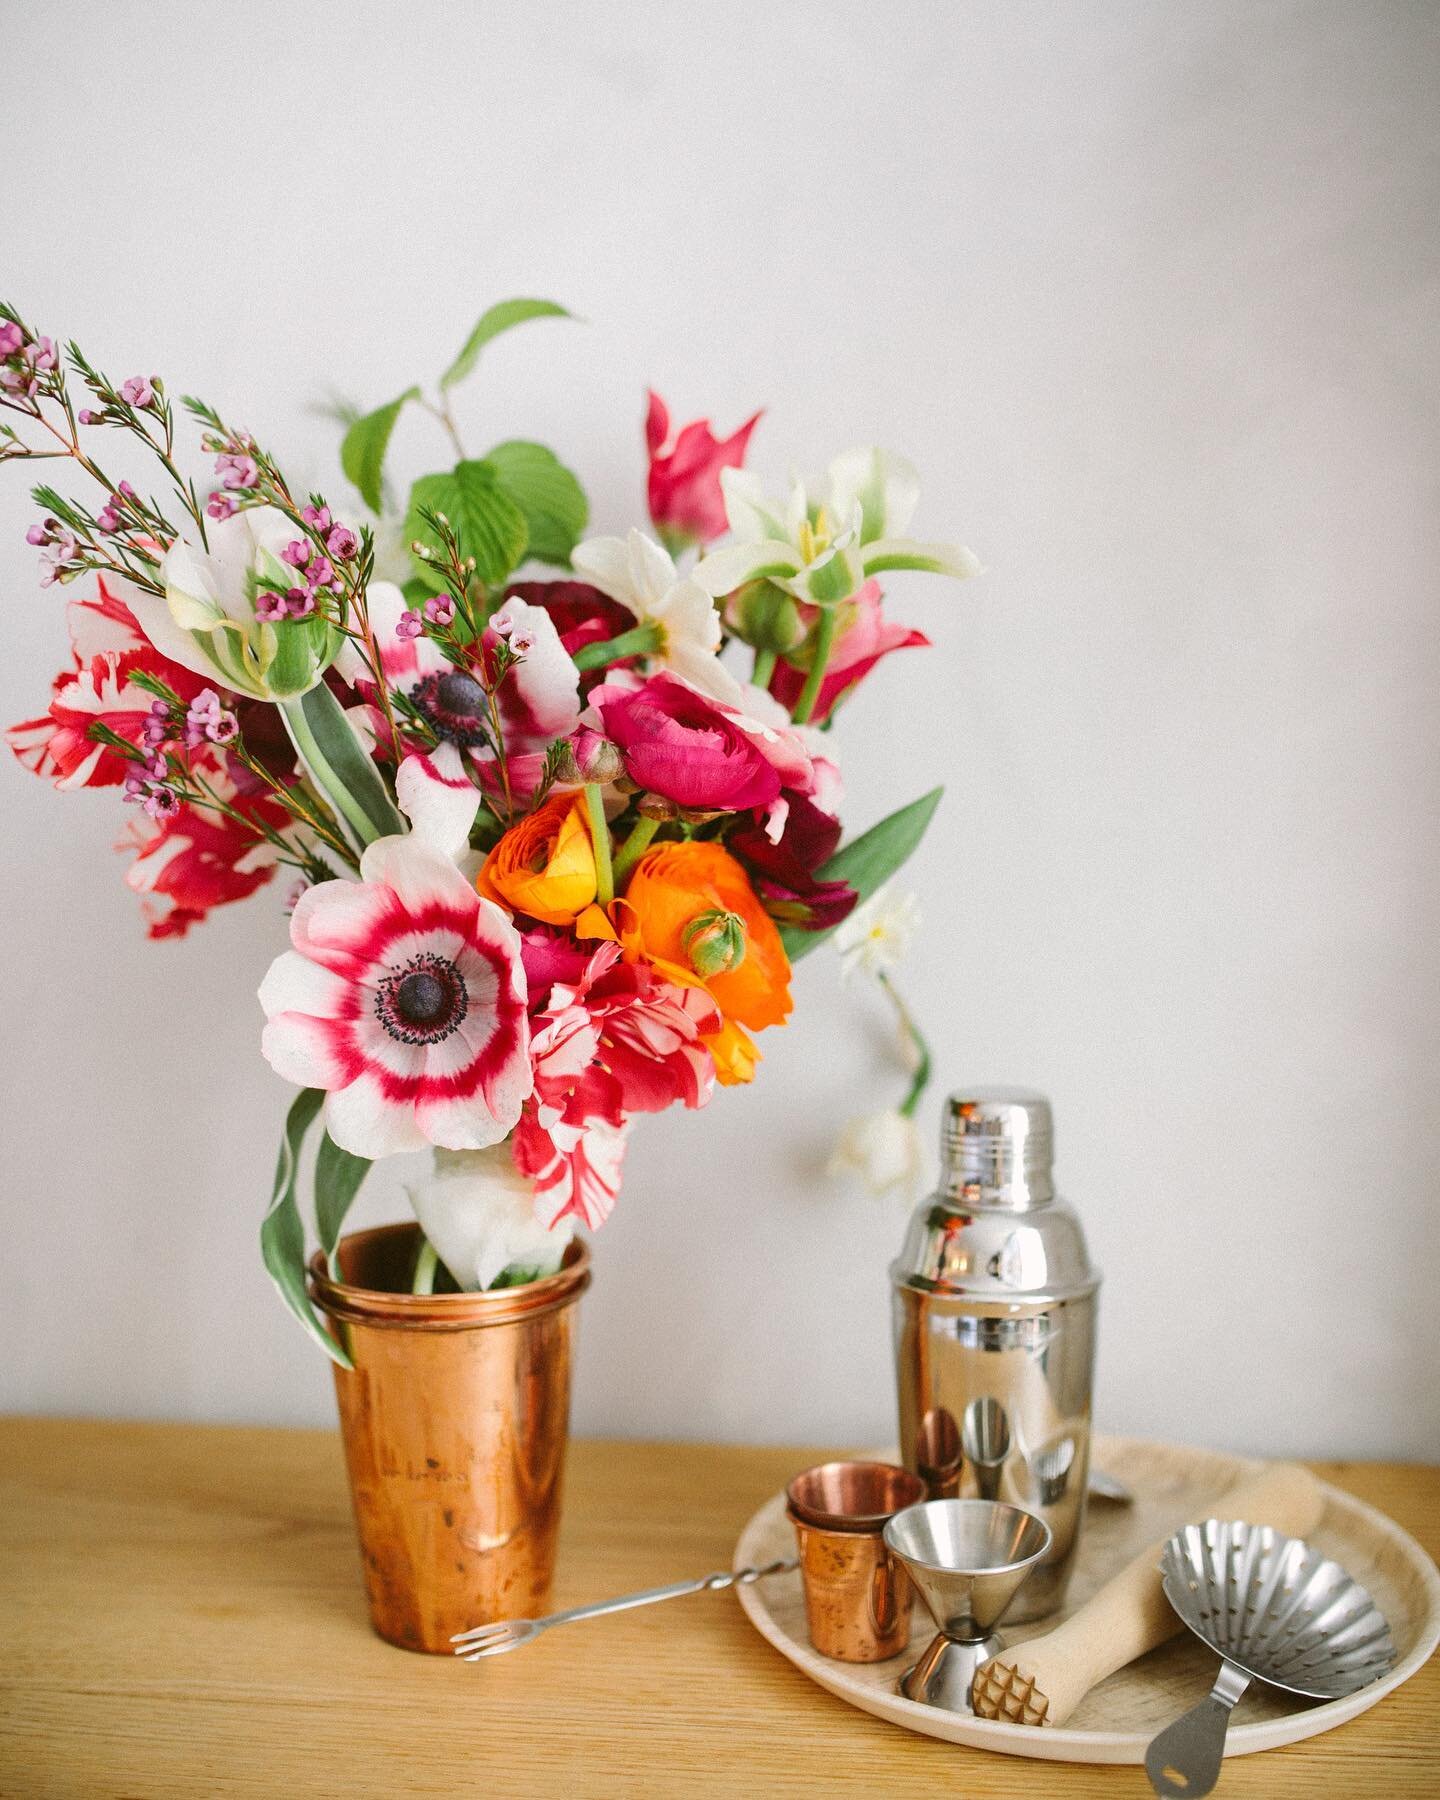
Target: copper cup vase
455,1418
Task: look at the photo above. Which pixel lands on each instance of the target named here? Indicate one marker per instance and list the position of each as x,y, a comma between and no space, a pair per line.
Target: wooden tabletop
181,1615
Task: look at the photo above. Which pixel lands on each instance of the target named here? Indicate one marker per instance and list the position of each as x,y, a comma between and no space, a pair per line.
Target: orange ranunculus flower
544,866
673,887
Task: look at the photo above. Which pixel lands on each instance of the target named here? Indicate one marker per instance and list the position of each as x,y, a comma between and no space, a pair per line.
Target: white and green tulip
206,621
823,549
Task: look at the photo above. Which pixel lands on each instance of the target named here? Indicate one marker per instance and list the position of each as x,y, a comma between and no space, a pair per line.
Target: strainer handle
1185,1758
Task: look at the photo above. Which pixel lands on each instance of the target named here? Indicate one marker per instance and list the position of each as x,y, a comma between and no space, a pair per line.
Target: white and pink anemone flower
538,701
404,661
404,995
540,698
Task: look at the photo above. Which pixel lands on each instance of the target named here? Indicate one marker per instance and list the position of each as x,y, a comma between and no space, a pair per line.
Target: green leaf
550,497
282,1236
362,451
868,862
338,761
491,323
338,1175
488,523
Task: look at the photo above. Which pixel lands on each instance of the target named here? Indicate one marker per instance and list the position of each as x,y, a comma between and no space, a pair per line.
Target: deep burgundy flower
582,614
783,872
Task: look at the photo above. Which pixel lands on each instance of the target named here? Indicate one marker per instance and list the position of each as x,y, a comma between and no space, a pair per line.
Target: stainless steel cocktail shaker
994,1306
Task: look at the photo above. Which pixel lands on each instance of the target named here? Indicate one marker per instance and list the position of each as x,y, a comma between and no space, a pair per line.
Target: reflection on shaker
939,1458
986,1439
1051,1466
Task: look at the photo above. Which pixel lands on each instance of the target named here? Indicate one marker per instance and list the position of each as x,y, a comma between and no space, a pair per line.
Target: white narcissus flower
877,936
642,577
207,620
883,1150
478,1211
822,550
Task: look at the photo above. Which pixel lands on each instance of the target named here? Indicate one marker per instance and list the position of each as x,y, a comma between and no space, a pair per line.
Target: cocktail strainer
1276,1611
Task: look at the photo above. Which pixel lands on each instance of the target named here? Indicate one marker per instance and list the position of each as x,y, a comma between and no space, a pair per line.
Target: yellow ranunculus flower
544,867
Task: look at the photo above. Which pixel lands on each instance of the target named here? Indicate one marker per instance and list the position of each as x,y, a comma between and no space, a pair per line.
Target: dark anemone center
461,695
456,706
423,1002
421,998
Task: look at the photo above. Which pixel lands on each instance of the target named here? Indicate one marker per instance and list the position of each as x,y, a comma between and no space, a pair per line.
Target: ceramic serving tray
1117,1720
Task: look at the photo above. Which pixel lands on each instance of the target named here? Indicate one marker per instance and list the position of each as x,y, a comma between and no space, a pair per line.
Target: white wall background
1148,291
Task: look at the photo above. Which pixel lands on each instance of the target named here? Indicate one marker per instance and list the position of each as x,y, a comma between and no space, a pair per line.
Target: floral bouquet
552,844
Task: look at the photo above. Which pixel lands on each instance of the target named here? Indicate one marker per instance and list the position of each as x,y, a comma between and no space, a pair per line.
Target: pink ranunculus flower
699,752
404,998
686,503
867,638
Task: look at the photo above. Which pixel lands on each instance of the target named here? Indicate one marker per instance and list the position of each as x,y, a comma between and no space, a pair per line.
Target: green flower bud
715,943
764,616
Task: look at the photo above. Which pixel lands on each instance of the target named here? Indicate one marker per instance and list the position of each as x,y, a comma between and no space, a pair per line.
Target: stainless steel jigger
1273,1610
967,1559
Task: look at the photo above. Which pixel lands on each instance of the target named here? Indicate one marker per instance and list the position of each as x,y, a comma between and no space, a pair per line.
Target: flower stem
638,641
446,418
634,848
425,1265
921,1078
600,839
824,640
764,668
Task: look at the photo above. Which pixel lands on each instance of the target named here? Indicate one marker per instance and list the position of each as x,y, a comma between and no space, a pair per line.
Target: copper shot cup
857,1595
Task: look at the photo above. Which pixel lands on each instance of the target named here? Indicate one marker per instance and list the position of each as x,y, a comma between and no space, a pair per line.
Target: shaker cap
996,1147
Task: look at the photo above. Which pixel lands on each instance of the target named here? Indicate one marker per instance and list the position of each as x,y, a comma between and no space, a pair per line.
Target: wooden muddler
1042,1682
